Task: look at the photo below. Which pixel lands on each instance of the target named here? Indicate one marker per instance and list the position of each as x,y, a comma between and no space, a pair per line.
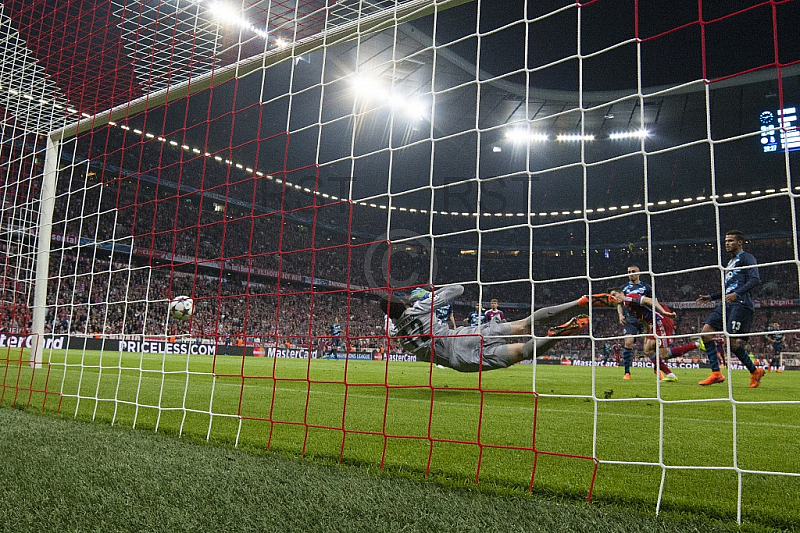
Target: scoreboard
779,131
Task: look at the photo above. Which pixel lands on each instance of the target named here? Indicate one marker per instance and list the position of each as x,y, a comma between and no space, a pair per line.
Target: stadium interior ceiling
702,137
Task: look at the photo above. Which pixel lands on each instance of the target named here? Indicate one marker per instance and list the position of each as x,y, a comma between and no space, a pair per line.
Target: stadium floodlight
635,134
229,15
366,86
413,108
516,135
523,136
225,14
574,137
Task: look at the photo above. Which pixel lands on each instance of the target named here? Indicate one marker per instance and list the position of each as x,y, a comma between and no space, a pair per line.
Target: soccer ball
181,308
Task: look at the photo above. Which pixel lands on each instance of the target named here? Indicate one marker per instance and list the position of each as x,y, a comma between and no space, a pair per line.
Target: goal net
285,165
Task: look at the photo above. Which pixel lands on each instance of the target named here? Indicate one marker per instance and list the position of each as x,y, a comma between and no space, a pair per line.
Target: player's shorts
777,348
463,349
740,318
633,326
665,328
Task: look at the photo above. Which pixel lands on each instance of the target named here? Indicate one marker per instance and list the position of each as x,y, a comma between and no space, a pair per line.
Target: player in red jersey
657,320
494,313
617,349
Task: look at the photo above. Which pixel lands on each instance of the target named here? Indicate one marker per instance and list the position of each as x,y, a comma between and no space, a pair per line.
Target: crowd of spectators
123,247
94,294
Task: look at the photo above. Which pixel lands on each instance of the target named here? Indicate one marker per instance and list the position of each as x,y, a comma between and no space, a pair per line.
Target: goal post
45,229
402,11
377,21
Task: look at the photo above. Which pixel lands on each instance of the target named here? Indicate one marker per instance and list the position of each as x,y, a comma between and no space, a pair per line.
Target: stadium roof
660,83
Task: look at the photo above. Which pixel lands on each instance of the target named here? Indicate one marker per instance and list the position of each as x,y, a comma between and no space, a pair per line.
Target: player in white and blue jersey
775,339
336,333
476,317
741,277
633,326
445,315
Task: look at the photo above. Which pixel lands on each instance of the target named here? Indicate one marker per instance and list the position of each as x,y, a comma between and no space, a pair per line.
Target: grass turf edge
69,475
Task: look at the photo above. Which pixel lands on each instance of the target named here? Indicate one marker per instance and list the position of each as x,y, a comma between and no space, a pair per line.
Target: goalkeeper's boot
715,377
574,325
602,299
755,378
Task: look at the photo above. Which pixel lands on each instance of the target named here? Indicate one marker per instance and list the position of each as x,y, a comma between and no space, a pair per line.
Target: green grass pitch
414,419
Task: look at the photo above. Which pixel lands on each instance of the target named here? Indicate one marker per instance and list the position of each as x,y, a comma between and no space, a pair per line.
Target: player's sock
538,346
660,366
711,353
554,313
677,351
627,359
744,357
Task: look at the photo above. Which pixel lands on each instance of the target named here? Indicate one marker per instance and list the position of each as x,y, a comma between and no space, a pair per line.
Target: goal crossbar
372,23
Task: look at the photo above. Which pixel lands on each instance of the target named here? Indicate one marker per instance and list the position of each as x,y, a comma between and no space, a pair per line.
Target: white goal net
278,166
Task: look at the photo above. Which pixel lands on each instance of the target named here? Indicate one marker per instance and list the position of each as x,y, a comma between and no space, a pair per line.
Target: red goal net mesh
286,164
